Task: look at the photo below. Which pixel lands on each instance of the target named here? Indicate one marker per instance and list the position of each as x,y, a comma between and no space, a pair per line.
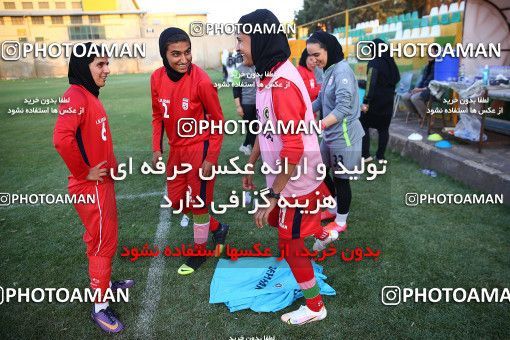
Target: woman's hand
240,111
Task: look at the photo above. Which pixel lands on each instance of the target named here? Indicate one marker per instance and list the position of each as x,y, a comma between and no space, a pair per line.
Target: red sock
100,269
213,224
302,270
200,246
315,304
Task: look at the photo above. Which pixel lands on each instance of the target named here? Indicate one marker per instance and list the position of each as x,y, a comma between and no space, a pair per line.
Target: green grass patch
425,247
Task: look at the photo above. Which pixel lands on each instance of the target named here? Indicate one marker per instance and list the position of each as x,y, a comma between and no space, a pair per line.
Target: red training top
288,104
82,134
194,97
310,82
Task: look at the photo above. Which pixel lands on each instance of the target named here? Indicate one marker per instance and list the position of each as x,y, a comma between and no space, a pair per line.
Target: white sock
341,219
99,306
333,210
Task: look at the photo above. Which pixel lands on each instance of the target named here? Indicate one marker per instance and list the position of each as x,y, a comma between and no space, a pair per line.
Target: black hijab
335,52
170,35
302,60
385,64
79,71
267,50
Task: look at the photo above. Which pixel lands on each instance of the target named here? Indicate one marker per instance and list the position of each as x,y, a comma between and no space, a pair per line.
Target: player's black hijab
330,44
385,64
172,35
79,71
267,50
302,60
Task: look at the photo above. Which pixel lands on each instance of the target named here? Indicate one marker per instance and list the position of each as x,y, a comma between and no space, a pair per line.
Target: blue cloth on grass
260,284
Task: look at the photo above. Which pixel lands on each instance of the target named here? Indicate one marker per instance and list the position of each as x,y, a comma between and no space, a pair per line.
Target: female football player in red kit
282,96
182,96
82,138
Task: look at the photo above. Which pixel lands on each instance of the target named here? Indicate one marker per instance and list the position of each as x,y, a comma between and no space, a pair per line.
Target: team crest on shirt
281,219
185,102
266,112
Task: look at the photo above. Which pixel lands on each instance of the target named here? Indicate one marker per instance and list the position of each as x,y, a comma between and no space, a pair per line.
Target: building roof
38,13
190,13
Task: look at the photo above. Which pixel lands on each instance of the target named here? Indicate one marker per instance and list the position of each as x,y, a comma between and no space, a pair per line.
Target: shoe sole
315,318
185,271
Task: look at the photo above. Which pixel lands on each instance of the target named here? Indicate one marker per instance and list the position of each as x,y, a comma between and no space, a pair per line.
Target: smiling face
99,70
319,55
310,63
179,56
243,46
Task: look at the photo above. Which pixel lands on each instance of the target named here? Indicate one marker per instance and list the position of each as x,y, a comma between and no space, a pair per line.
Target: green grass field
424,247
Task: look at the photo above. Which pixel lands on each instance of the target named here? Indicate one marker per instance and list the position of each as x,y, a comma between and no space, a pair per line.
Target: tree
316,9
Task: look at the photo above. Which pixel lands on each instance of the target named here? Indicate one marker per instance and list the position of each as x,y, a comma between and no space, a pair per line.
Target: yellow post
347,33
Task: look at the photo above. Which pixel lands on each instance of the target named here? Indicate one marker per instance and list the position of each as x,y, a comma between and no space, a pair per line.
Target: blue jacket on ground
260,284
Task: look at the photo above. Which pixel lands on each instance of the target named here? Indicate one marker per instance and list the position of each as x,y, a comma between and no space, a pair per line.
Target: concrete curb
473,174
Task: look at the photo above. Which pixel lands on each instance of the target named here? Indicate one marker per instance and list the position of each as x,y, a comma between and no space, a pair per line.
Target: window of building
94,19
27,5
39,39
76,20
17,20
1,20
86,32
23,39
76,5
9,5
57,20
60,5
38,20
44,5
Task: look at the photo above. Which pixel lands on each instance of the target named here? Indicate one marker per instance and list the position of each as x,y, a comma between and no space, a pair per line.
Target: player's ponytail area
42,246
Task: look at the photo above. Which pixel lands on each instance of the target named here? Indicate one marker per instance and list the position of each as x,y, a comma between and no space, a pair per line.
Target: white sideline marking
152,293
119,197
142,195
